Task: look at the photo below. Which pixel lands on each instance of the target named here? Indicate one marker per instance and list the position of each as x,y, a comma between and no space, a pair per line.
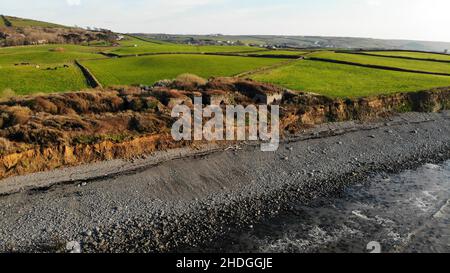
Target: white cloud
73,2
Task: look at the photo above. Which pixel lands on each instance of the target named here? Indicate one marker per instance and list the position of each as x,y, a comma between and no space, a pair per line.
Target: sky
426,20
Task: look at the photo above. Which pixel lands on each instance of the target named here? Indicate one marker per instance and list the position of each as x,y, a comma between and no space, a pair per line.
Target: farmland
338,80
28,79
416,55
46,68
46,54
149,69
145,60
279,52
133,46
417,65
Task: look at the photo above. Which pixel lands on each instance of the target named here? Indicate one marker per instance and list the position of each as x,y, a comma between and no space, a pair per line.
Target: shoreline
183,202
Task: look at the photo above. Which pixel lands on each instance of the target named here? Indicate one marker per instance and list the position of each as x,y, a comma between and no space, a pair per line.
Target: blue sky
392,19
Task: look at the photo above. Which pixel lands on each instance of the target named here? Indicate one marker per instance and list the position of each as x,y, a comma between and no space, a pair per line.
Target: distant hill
304,41
21,31
16,31
12,21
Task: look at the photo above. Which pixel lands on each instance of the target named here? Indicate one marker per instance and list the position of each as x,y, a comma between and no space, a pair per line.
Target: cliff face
47,132
307,109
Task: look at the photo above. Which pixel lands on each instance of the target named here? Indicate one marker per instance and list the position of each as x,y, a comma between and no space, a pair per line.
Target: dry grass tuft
7,93
188,82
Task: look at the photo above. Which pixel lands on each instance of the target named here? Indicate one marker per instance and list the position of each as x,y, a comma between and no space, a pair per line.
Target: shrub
404,108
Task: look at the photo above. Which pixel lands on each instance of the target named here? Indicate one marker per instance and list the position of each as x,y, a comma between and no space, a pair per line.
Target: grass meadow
427,66
280,52
149,69
418,55
337,80
136,46
46,54
35,69
31,69
29,79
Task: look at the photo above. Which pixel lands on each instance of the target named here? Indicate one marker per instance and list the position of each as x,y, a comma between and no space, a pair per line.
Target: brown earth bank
195,203
42,133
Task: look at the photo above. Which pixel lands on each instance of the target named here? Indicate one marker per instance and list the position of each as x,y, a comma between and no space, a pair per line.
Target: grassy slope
45,54
20,22
338,80
128,48
147,70
29,79
418,55
386,61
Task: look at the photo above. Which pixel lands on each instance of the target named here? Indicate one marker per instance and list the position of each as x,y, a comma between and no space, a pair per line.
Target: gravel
182,204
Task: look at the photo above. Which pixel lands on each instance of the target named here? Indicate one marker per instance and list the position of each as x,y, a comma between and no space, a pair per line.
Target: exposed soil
42,133
194,203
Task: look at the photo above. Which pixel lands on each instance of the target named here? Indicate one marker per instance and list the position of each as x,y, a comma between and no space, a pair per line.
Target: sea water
407,212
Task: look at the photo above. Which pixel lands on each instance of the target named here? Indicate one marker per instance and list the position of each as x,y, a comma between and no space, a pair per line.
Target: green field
135,46
416,65
31,69
337,80
149,69
279,52
418,55
46,54
34,76
20,22
29,79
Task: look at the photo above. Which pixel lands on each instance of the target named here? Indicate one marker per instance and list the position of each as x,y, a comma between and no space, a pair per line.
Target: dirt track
145,206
